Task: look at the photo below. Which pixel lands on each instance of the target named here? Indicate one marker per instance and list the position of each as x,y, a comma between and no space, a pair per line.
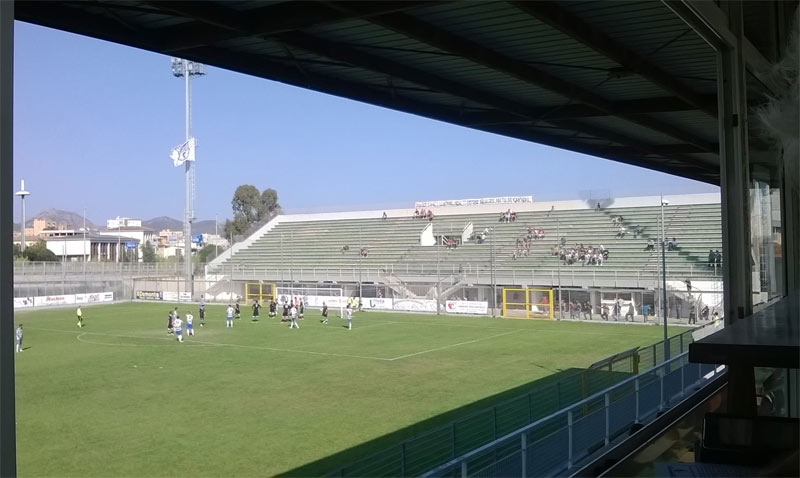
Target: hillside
70,219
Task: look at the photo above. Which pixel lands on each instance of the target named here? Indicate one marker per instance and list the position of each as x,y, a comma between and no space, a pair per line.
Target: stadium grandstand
398,255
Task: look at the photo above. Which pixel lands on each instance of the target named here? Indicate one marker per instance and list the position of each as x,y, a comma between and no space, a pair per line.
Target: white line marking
455,345
256,347
132,345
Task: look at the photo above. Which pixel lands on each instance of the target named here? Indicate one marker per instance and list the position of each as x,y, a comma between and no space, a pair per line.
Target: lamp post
187,69
438,277
558,265
22,193
664,277
492,273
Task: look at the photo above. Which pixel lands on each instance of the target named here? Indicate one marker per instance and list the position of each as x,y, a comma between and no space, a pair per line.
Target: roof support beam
268,20
439,38
556,17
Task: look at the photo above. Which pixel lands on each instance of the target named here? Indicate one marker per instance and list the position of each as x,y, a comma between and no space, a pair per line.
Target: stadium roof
627,81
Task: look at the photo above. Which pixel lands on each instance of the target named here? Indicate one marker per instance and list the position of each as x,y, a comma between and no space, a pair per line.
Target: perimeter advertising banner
466,307
376,303
94,298
148,295
20,302
185,297
53,300
170,296
415,305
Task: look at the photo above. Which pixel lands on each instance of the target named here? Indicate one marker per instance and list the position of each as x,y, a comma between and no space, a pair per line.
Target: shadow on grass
547,396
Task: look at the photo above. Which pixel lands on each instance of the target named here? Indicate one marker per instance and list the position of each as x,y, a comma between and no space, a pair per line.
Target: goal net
313,297
528,303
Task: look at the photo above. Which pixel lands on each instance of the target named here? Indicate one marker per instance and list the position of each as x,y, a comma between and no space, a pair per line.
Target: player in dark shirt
202,315
169,322
256,308
237,311
272,307
285,313
324,313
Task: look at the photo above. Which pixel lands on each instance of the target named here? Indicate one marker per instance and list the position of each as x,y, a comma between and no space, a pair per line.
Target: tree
247,203
39,252
148,253
251,207
206,254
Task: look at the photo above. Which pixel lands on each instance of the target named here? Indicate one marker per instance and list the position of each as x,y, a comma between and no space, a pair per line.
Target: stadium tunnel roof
626,81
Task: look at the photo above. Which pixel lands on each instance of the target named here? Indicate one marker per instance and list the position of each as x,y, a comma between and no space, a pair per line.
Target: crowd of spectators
586,255
508,216
522,245
423,213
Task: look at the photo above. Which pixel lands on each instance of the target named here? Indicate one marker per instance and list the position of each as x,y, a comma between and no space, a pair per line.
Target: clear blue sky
95,121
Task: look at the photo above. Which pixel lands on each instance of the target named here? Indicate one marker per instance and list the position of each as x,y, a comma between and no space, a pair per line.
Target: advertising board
466,307
148,295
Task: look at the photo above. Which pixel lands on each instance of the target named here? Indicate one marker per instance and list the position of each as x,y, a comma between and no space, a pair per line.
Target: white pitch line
455,345
256,347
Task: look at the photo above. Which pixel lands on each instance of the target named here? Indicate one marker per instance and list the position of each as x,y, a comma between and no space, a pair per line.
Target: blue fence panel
691,373
507,466
622,414
588,433
549,454
649,398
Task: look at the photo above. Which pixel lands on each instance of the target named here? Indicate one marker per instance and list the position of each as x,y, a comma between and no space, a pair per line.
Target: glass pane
766,234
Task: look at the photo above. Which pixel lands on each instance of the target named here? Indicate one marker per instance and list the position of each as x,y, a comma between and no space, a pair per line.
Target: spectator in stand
704,313
384,215
672,245
430,215
637,231
552,209
345,248
718,258
617,310
604,312
651,245
712,258
540,234
598,206
621,232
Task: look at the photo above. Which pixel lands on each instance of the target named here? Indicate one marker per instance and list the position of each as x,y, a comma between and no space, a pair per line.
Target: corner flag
185,152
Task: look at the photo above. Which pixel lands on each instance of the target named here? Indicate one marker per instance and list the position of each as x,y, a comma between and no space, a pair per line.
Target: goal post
528,303
314,297
261,291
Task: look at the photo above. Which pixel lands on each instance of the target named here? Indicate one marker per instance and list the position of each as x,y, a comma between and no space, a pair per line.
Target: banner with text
20,302
148,295
169,296
53,300
474,202
185,297
93,298
467,307
376,303
414,305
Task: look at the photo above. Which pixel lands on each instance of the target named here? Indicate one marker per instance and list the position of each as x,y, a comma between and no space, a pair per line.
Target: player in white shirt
176,325
349,315
80,317
18,336
293,315
229,317
189,324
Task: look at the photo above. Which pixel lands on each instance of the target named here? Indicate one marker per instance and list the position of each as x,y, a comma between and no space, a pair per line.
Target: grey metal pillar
734,184
8,449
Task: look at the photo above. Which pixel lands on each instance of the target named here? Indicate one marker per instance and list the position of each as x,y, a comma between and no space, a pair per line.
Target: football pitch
119,397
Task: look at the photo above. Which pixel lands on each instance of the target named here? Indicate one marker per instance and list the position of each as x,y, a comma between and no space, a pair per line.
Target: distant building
71,245
141,235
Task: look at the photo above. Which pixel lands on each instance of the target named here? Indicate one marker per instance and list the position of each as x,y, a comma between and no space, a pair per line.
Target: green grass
120,398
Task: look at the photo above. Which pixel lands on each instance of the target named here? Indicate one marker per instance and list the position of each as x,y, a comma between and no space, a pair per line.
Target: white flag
183,153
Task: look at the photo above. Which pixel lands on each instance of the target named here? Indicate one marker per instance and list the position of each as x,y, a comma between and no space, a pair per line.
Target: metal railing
554,444
577,276
418,454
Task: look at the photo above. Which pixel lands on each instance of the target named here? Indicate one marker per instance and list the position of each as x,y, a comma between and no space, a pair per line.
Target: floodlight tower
22,193
187,69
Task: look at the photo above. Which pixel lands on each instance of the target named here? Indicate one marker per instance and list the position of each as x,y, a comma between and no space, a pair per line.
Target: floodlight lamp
177,66
664,202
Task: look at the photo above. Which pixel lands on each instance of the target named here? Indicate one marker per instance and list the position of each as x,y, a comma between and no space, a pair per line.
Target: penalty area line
454,345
